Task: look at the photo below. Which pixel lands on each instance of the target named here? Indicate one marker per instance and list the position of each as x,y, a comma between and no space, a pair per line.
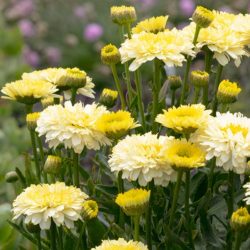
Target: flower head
199,78
120,244
116,124
227,138
72,125
40,204
142,158
28,91
175,82
240,219
90,209
228,92
52,164
153,25
31,120
184,155
110,54
184,119
108,97
169,46
203,17
123,14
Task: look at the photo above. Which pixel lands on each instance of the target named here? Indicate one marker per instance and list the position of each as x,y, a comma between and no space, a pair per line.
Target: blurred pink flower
187,7
147,4
92,32
31,57
226,9
26,27
53,55
20,8
79,11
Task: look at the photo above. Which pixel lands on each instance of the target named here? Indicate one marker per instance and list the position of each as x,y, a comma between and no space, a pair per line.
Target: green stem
216,85
173,97
39,243
120,190
187,210
79,240
175,198
210,176
53,236
118,86
33,143
128,26
136,227
196,94
76,169
139,99
73,95
149,215
188,65
230,193
208,63
60,238
237,240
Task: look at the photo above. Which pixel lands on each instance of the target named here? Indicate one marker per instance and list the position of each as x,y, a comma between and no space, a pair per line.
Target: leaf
163,91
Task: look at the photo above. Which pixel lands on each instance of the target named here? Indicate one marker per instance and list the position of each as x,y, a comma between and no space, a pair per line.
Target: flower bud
53,164
32,228
72,78
199,78
108,97
90,209
174,82
11,177
203,17
133,202
110,54
240,219
31,120
228,92
123,14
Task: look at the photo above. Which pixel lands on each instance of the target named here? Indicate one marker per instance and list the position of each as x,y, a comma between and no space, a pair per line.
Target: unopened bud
174,82
108,97
53,164
11,177
203,17
123,14
240,219
31,120
110,54
90,209
199,78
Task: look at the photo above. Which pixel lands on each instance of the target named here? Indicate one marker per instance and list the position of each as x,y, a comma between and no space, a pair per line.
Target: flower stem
196,94
129,30
188,65
136,227
76,168
53,236
173,97
175,198
237,240
120,190
118,86
33,143
39,243
82,231
208,63
217,81
187,211
230,193
139,99
148,216
73,95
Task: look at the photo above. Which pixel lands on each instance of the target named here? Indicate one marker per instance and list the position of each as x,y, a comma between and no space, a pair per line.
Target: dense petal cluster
142,158
247,193
185,119
72,125
227,138
42,203
169,46
121,244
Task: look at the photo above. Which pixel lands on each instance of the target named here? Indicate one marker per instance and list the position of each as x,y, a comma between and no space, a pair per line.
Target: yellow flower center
236,128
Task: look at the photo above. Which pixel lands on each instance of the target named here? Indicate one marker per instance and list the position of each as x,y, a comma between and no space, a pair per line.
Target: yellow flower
133,202
184,119
184,154
108,97
120,244
31,120
240,219
123,14
169,46
110,54
28,91
228,92
40,204
199,78
203,17
153,25
116,124
90,209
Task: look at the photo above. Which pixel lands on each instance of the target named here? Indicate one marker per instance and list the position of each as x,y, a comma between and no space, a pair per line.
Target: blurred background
38,34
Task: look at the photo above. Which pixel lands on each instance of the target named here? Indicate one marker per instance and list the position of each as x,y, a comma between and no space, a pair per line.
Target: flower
153,25
45,202
53,164
31,120
184,154
27,28
184,119
110,54
90,209
116,124
227,138
240,219
142,158
175,82
123,14
133,202
120,244
228,92
169,46
28,91
199,78
187,7
247,193
108,97
92,32
203,17
72,125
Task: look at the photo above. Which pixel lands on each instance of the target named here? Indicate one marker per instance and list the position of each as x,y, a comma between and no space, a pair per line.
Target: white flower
227,138
72,125
41,203
247,193
142,158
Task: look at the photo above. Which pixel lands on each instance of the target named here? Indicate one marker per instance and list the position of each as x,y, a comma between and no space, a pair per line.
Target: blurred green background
38,34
